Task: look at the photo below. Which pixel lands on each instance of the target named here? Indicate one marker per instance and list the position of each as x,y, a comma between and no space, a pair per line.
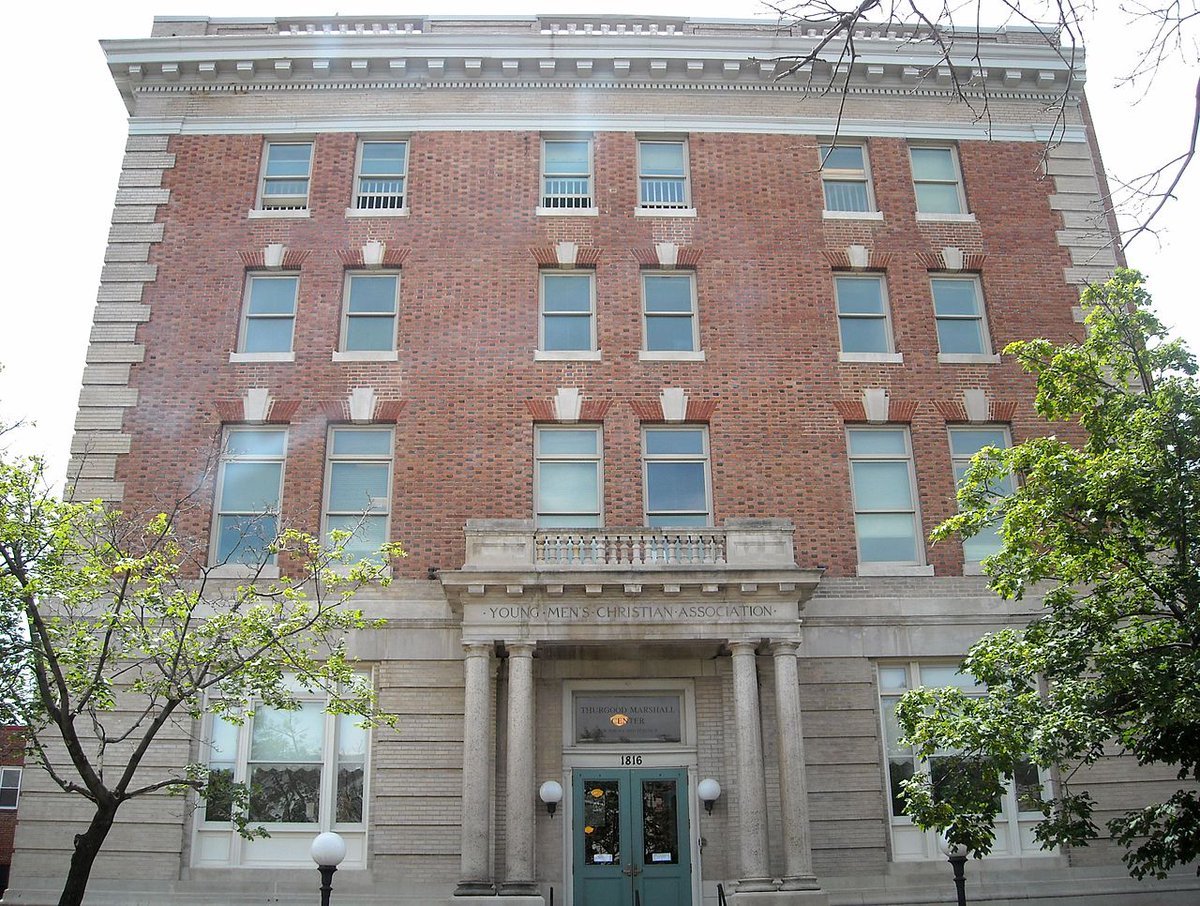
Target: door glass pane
601,822
660,823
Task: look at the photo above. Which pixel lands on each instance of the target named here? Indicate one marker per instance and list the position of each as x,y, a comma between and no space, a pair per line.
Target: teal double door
630,837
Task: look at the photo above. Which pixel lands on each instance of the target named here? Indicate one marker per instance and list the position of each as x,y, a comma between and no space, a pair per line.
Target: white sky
67,129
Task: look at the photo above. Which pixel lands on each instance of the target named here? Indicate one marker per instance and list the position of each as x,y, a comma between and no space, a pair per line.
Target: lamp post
956,855
709,792
551,793
328,850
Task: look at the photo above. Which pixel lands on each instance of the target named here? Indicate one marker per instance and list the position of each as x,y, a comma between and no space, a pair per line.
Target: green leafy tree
111,631
1107,529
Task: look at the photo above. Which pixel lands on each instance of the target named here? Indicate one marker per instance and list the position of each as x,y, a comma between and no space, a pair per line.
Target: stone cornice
693,52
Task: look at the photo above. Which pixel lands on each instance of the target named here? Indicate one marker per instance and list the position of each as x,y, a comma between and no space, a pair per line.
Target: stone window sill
967,358
257,214
945,218
852,215
366,355
671,356
240,357
240,571
566,212
894,569
566,355
372,212
664,212
873,358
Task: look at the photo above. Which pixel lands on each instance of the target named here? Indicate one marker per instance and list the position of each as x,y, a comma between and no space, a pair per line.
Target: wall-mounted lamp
709,792
551,793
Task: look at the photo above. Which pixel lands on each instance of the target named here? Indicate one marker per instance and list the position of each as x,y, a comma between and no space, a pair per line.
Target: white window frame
303,205
964,213
887,356
705,457
987,357
542,354
553,210
377,506
217,843
836,175
684,208
695,354
233,568
6,772
916,567
367,355
356,208
1014,828
288,355
957,460
539,457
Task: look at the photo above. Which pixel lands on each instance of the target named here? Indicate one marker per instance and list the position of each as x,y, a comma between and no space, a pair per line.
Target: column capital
477,649
784,646
520,649
742,646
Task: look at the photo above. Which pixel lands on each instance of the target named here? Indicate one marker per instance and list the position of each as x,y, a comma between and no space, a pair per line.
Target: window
358,487
567,174
568,309
669,306
958,311
369,323
936,181
306,771
844,178
382,168
885,509
249,488
676,476
662,175
285,176
862,314
965,443
568,470
270,314
1022,802
10,787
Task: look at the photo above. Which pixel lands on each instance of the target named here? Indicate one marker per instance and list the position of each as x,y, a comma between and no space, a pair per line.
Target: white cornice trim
941,131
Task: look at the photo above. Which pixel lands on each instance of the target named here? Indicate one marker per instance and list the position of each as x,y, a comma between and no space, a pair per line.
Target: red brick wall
12,753
469,323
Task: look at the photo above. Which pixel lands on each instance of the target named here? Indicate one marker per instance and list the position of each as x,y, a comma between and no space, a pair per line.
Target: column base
780,898
755,885
806,882
475,889
519,889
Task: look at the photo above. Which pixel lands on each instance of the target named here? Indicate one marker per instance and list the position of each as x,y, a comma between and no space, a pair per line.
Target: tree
109,633
950,31
1107,529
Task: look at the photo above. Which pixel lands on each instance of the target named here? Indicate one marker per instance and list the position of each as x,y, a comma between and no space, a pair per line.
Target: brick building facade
511,285
12,760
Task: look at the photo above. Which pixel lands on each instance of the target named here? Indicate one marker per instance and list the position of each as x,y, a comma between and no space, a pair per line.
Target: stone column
518,863
752,784
793,783
476,877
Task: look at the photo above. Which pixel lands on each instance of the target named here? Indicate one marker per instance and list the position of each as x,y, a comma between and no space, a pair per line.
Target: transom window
662,174
844,178
285,178
885,509
567,173
937,181
958,311
862,314
965,443
382,171
568,473
676,476
369,322
358,488
269,313
249,488
568,311
10,787
1022,799
669,302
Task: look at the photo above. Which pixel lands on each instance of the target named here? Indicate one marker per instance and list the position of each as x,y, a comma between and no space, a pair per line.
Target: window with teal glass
249,489
358,486
964,444
285,176
675,464
269,317
885,502
568,477
372,302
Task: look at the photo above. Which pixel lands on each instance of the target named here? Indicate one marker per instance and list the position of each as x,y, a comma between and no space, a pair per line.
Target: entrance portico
635,607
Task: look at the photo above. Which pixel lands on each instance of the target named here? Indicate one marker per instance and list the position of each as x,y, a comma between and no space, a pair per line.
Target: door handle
631,871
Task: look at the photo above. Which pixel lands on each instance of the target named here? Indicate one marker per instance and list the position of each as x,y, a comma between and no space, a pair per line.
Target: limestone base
780,898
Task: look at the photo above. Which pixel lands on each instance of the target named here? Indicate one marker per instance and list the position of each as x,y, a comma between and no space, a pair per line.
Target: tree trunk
87,847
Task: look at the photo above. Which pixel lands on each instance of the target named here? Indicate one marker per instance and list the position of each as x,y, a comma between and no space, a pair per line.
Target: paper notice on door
601,857
660,857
